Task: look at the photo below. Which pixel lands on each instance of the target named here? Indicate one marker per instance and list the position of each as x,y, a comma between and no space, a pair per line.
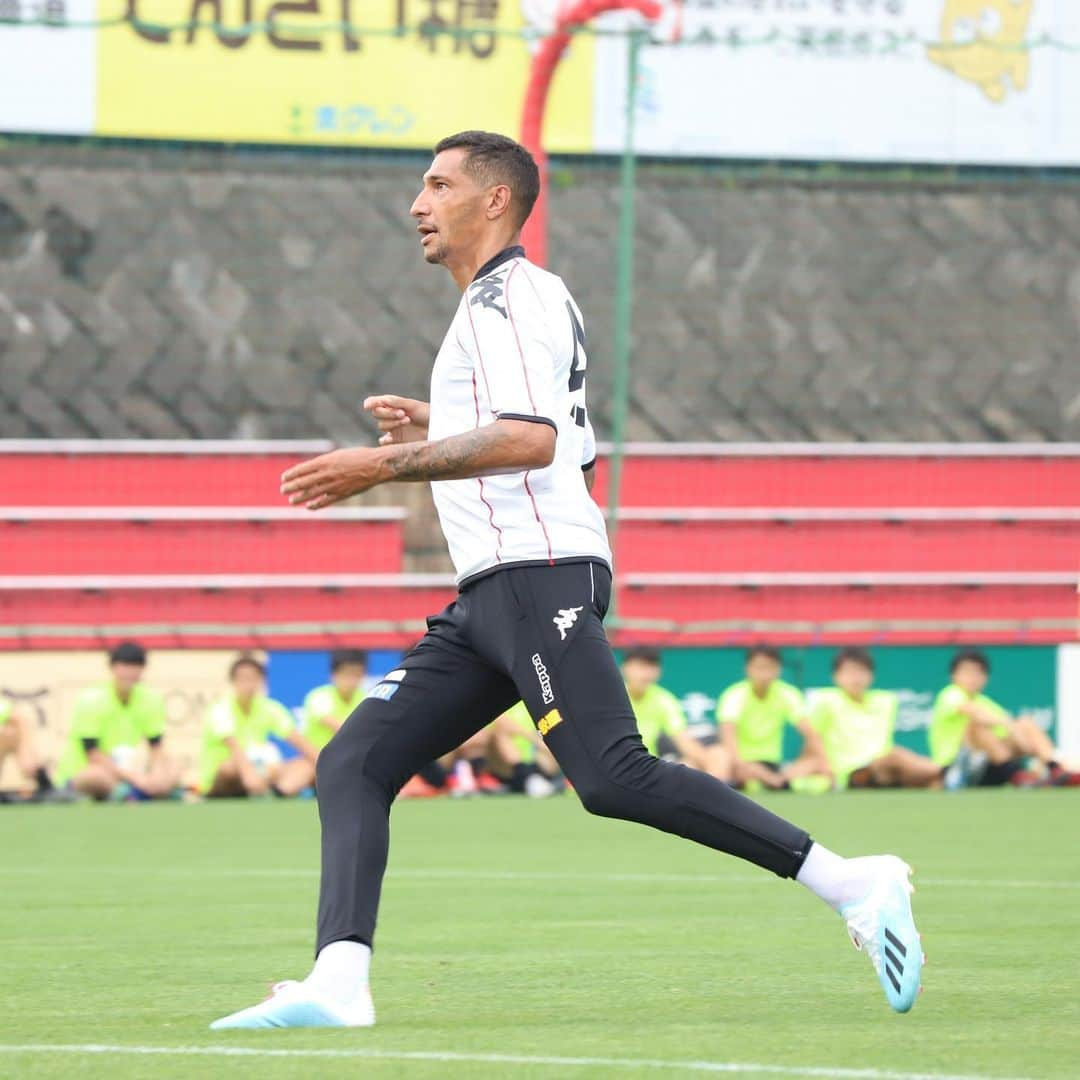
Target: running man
507,445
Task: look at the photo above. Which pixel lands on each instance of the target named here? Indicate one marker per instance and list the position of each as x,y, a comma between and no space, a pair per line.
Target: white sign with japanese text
48,66
939,81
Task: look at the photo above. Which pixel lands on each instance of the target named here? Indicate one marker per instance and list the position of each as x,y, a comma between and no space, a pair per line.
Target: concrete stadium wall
172,293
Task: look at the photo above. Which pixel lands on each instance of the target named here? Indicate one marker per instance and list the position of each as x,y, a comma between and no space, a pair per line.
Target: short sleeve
731,704
318,706
281,720
86,720
220,720
794,705
948,702
674,715
588,448
821,711
152,716
513,347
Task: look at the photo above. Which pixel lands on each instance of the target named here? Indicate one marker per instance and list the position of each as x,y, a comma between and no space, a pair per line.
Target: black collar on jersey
515,252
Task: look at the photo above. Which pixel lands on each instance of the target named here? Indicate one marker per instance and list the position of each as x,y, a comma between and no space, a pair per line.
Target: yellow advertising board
381,73
47,682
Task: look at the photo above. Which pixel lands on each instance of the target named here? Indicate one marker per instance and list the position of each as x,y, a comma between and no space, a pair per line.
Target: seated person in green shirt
238,757
517,754
109,726
17,738
324,710
752,714
661,721
857,725
975,734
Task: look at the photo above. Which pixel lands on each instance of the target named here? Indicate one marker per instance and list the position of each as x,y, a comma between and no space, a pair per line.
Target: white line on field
453,874
360,1053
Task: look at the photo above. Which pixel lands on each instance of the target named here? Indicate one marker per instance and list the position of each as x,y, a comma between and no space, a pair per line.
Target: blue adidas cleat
883,926
292,1005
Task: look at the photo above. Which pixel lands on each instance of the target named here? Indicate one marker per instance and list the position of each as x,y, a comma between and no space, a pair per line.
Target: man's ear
498,201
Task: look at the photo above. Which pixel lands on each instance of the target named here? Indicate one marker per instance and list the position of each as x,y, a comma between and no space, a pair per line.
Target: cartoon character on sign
982,41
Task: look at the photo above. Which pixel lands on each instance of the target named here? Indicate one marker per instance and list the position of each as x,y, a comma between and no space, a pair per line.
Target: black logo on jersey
486,292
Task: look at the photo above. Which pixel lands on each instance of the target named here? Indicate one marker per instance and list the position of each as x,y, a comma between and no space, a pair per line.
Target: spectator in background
752,715
517,754
977,740
661,721
239,758
104,756
324,710
857,726
17,738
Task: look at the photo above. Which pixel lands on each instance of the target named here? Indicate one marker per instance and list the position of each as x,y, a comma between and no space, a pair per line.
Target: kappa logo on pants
545,679
565,620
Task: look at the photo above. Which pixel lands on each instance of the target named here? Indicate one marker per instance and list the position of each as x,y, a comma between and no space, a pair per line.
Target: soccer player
660,718
108,728
17,738
752,715
238,756
979,742
324,710
857,725
507,444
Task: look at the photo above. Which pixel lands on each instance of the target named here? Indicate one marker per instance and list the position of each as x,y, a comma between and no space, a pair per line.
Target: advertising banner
47,72
298,72
1023,679
47,683
939,81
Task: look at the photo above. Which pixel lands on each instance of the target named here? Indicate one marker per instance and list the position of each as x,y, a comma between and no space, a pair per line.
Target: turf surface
529,929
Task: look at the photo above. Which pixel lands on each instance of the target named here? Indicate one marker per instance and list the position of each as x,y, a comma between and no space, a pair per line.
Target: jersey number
577,366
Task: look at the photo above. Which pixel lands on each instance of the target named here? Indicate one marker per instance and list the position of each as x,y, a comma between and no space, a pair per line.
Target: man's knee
601,797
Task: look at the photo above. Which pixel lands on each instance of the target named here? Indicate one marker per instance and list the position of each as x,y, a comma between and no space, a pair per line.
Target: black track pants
532,633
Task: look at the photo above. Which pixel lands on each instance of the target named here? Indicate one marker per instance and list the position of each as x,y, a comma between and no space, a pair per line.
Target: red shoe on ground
418,788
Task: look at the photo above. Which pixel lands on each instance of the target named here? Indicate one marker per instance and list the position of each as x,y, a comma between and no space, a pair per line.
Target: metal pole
624,302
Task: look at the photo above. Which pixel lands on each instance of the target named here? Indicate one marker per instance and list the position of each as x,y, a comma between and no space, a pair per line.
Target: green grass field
519,938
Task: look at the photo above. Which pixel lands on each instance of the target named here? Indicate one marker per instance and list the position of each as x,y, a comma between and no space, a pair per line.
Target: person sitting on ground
979,743
518,755
105,755
239,757
857,726
661,720
752,715
17,739
324,710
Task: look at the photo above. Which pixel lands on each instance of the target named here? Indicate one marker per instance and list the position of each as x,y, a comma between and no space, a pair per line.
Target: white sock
838,881
341,971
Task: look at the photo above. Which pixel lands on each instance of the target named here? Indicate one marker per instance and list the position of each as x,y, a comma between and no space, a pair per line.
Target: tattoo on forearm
454,458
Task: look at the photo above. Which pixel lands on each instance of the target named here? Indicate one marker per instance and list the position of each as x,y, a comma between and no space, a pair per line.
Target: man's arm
987,717
505,446
590,477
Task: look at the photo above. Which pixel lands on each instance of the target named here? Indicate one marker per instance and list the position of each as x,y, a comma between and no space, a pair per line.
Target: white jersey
516,351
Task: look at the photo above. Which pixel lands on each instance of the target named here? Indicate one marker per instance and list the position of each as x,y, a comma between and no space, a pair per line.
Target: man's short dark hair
128,652
970,656
645,653
853,655
770,652
496,159
246,660
340,657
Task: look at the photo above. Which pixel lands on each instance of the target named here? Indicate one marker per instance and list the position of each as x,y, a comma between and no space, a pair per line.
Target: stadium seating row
188,543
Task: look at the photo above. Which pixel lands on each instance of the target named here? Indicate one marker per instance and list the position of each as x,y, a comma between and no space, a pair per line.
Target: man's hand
400,419
329,478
